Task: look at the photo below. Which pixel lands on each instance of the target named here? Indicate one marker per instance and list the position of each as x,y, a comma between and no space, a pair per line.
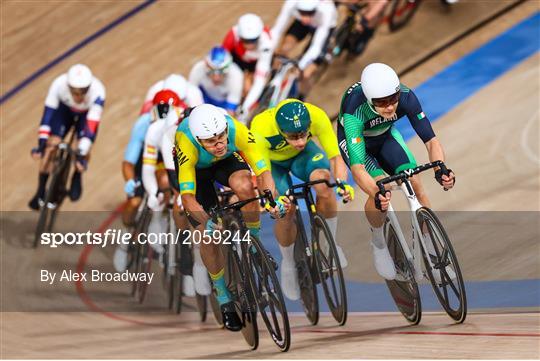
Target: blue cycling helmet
218,59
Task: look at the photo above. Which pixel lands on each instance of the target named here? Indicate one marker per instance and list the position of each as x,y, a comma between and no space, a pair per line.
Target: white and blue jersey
226,95
135,147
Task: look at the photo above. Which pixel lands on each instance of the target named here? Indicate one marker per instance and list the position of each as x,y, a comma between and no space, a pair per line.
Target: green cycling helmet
292,116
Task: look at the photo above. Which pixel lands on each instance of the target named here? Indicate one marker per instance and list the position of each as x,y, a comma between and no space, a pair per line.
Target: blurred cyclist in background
366,23
251,48
316,18
219,79
188,93
74,99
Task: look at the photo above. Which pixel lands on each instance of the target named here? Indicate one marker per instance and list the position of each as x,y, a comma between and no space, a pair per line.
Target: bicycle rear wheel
215,309
329,269
202,306
268,295
304,265
401,13
445,276
403,289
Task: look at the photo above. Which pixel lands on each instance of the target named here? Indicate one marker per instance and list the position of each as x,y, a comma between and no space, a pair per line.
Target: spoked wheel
240,285
269,297
202,306
445,276
404,289
134,254
329,269
308,289
401,12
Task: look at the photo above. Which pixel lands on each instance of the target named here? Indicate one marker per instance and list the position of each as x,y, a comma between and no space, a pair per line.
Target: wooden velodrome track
497,165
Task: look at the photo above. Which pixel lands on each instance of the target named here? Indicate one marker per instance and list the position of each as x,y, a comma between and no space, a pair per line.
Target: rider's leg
240,182
45,167
418,188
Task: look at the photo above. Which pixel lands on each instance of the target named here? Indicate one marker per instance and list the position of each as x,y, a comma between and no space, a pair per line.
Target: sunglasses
216,72
307,13
214,141
295,136
79,91
386,101
250,41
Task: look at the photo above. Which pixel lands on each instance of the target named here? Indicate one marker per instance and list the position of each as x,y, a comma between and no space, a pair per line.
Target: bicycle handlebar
409,173
306,185
217,211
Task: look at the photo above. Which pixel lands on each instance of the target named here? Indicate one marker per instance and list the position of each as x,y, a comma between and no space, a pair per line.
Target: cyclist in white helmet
371,146
75,98
251,48
208,146
219,79
316,18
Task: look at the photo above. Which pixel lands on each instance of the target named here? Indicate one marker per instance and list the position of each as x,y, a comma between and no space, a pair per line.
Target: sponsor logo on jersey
420,115
239,157
317,157
343,146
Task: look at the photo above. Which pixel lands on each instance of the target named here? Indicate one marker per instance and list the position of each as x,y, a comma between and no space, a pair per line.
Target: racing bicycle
428,252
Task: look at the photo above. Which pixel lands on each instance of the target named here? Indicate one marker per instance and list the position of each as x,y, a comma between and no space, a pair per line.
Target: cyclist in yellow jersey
285,135
212,146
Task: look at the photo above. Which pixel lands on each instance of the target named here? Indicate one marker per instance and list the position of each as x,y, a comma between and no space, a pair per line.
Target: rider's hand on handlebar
446,180
345,191
283,204
212,226
130,187
382,202
155,203
37,152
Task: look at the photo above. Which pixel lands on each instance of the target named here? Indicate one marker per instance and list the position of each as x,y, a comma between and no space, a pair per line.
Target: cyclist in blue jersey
371,146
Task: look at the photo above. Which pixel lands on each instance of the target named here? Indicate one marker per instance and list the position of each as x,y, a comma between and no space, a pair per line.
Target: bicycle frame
282,82
414,257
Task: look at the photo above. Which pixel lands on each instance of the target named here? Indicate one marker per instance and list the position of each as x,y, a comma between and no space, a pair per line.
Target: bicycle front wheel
268,295
329,269
401,13
442,266
304,265
403,289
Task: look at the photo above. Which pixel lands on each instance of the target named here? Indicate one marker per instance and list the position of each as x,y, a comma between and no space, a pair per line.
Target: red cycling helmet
163,100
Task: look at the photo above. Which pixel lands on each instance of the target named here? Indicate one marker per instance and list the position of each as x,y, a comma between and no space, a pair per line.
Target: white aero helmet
250,27
207,121
79,76
178,84
307,6
378,80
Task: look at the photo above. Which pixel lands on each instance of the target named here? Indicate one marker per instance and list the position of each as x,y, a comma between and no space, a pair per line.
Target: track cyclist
219,79
371,146
251,48
132,163
75,98
285,134
207,149
316,18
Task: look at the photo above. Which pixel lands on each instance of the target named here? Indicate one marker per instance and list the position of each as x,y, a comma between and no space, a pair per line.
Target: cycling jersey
89,111
324,20
134,148
369,139
153,148
190,155
226,95
258,61
274,145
